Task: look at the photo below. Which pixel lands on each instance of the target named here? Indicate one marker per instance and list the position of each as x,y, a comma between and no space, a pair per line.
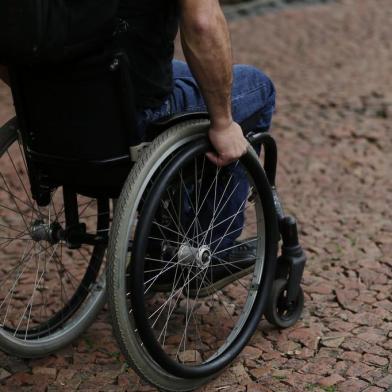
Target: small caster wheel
278,311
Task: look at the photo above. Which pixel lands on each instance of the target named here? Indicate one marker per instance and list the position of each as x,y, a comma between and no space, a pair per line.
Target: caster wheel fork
286,300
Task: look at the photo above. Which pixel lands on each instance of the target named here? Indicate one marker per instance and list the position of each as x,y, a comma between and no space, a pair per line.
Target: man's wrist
221,122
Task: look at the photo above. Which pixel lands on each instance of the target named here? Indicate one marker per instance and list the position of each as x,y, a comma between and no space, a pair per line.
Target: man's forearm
4,74
206,44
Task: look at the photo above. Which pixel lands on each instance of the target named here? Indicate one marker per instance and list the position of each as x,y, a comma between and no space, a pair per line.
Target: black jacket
153,25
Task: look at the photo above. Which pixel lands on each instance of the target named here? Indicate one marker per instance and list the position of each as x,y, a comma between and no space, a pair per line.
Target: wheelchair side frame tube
271,153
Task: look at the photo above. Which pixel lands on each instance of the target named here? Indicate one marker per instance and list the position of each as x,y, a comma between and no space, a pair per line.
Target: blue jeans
253,92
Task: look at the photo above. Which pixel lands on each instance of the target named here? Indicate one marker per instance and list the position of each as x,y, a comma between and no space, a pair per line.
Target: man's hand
206,42
229,143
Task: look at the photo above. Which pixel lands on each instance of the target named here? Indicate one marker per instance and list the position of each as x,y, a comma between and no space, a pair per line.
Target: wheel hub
41,231
199,257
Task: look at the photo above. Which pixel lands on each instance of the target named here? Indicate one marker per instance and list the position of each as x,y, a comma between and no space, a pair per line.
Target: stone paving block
373,389
352,386
375,360
385,382
333,126
4,374
50,372
331,380
358,369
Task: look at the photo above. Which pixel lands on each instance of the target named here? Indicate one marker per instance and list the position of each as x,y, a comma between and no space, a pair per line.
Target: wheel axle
41,231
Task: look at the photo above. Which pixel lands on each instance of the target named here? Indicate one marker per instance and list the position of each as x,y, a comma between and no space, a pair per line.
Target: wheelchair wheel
49,293
278,311
175,326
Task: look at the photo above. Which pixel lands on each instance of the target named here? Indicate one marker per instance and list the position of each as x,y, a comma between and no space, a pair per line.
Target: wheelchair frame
42,169
293,259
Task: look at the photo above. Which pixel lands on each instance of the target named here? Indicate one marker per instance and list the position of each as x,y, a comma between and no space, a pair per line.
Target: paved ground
332,65
236,9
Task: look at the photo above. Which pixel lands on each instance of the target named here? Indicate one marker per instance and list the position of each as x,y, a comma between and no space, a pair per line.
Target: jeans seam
196,108
237,97
248,92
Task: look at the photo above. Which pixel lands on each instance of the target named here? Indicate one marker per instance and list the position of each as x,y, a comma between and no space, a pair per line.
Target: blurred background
331,62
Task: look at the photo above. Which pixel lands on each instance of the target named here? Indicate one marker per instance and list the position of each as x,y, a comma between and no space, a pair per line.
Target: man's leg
253,92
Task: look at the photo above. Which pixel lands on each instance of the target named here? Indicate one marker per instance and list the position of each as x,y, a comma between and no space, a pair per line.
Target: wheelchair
87,216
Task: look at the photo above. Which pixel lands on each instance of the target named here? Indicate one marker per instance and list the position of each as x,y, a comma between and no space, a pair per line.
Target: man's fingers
218,160
214,158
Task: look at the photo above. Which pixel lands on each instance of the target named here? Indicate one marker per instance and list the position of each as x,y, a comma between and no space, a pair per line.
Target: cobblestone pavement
332,65
235,9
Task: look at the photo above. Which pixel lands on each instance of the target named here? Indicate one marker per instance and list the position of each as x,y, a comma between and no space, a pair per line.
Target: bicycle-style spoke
9,240
39,272
167,229
11,228
150,282
176,225
18,274
229,226
38,278
20,180
191,312
234,231
217,208
222,222
171,307
153,238
225,265
177,292
203,255
19,199
234,246
205,198
189,199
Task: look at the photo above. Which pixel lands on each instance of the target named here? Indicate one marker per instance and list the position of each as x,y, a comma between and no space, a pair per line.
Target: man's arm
4,74
207,48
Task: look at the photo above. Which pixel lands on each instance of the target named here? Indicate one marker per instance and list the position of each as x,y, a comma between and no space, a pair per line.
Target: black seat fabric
73,122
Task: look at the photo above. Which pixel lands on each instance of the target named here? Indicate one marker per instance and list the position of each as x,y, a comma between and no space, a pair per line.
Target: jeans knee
269,98
268,85
257,79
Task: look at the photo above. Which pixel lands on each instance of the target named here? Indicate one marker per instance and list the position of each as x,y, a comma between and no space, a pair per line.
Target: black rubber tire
123,321
273,315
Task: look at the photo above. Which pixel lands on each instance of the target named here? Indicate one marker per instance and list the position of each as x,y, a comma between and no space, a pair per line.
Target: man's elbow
203,20
201,25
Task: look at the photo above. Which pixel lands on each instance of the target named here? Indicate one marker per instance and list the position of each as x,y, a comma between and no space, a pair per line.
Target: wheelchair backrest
76,120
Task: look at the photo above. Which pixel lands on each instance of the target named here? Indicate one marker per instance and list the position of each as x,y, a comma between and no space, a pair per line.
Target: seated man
208,82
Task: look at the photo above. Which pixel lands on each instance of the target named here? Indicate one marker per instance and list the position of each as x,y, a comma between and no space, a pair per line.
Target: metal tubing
270,151
293,255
